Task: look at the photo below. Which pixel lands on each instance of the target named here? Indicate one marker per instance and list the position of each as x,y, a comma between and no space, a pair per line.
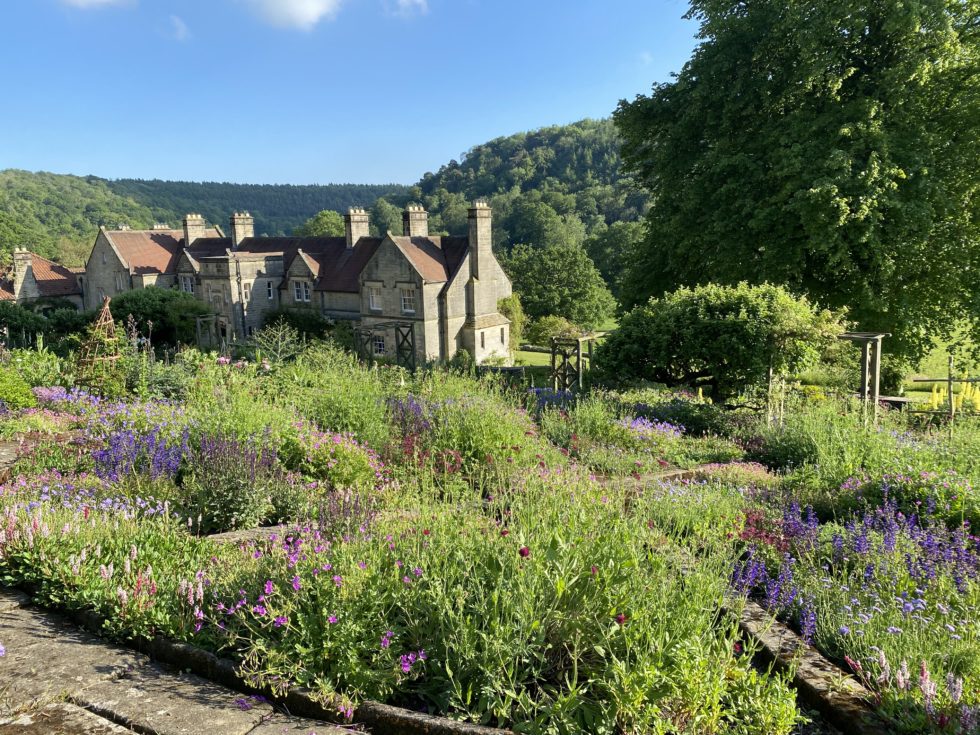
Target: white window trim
408,293
269,291
375,304
378,342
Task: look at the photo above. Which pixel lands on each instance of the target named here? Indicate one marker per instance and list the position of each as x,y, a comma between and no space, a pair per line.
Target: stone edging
380,718
822,685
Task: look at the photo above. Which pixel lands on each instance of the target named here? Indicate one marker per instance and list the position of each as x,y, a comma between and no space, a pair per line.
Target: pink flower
524,551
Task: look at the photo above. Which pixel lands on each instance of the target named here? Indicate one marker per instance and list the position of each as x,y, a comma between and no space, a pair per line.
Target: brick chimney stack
415,221
194,228
356,225
481,240
242,226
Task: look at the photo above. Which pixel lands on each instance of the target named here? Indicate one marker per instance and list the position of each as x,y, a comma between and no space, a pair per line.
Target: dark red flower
524,551
621,618
426,532
504,532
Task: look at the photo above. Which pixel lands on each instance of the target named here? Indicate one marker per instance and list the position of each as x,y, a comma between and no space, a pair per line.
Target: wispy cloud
302,14
178,29
408,7
85,4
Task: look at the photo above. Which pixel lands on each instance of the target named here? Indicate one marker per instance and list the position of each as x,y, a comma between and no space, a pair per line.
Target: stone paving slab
58,679
60,719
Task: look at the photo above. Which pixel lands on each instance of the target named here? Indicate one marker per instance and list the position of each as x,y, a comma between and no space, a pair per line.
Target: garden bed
452,553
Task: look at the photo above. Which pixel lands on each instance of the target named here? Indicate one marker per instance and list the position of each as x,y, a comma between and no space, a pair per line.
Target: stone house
445,288
32,278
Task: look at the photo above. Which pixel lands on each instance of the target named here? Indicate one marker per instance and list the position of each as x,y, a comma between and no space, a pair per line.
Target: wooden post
554,364
952,402
578,358
875,378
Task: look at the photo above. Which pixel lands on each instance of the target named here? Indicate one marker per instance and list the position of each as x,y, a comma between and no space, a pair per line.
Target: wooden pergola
870,391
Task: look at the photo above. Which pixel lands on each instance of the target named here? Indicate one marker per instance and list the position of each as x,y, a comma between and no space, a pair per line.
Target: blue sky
312,91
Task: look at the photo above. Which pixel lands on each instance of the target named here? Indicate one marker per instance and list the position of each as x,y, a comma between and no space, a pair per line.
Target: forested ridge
58,215
559,184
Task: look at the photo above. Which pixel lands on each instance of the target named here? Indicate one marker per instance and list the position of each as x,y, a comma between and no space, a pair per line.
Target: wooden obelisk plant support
98,356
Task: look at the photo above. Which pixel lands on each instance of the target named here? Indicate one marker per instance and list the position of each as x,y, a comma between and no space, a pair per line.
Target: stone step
56,678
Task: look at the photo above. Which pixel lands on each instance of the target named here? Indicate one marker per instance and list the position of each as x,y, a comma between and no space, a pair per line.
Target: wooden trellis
99,352
870,391
951,380
405,355
570,358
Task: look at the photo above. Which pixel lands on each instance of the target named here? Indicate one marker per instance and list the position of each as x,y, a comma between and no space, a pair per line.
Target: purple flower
386,638
332,619
296,583
269,587
259,610
893,630
338,580
3,651
280,621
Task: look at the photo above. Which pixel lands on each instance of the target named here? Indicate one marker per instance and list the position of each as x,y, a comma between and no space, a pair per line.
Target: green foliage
60,215
15,393
726,337
277,208
556,184
41,367
612,250
303,320
326,223
823,146
166,315
511,308
543,329
20,320
559,280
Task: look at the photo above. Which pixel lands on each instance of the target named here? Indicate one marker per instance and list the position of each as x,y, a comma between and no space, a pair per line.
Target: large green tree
829,145
559,280
325,223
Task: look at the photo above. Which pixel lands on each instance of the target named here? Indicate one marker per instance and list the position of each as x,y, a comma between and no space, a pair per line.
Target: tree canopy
325,223
829,145
166,315
723,337
559,280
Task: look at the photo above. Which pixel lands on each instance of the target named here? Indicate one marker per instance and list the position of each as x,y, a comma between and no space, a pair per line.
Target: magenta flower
269,587
524,551
280,621
259,610
621,619
332,619
338,580
296,583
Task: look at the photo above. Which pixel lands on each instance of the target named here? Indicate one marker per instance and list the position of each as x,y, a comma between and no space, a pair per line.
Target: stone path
55,679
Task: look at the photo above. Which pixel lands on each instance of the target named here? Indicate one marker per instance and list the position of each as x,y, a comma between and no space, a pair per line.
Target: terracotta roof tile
150,251
53,279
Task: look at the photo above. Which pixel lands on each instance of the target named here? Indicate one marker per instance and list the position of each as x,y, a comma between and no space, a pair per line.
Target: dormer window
301,291
187,284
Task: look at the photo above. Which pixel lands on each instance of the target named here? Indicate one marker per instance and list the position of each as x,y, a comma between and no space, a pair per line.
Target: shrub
166,315
15,392
542,330
948,496
229,484
511,308
725,337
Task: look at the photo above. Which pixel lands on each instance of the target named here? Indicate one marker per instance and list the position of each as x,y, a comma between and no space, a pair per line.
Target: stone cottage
445,289
32,278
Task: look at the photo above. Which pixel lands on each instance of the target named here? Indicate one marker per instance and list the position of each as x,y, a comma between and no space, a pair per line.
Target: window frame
378,345
408,293
375,304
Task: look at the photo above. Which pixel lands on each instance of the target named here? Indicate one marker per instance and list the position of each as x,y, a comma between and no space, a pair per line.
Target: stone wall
104,273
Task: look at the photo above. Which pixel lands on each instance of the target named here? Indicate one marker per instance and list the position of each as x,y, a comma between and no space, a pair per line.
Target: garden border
299,701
